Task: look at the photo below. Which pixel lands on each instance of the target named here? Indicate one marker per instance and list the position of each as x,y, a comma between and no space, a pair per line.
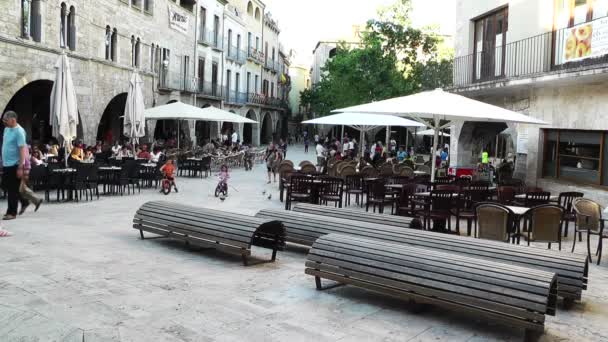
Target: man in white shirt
235,137
320,156
116,149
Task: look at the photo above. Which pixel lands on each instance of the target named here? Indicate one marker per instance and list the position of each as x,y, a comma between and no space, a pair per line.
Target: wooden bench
229,232
513,295
358,215
571,269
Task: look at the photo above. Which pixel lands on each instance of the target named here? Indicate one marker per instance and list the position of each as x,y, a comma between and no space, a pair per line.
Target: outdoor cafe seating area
509,211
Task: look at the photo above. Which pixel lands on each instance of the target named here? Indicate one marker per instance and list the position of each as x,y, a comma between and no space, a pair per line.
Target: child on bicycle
223,176
168,170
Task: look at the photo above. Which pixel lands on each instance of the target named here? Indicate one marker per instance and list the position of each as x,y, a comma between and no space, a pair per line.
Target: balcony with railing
232,96
256,56
236,55
210,38
265,101
177,81
272,66
209,89
551,52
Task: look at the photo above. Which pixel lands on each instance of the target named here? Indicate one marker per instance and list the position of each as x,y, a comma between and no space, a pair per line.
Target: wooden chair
439,209
332,190
565,200
285,171
406,171
494,222
347,170
506,195
299,190
465,207
423,168
369,172
544,225
589,220
305,162
308,169
376,196
354,185
386,170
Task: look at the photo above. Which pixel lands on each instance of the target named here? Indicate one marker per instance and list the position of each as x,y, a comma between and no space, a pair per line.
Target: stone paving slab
79,269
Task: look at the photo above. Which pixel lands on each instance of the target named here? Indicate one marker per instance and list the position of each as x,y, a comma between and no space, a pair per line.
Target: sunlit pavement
79,269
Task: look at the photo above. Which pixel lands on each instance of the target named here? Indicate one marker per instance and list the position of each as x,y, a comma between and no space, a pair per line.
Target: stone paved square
79,270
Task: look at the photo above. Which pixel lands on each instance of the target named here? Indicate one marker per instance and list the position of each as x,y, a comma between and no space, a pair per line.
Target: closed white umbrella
431,132
134,119
64,107
364,122
433,107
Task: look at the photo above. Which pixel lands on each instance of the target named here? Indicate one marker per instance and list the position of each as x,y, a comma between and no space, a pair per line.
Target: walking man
13,162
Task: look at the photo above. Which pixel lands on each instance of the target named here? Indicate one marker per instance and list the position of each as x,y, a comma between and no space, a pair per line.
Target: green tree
393,60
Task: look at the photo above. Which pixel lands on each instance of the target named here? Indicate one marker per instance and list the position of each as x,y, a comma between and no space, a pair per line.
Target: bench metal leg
141,233
321,288
532,335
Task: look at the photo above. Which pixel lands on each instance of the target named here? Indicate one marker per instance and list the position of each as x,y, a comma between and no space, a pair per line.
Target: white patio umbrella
134,119
363,122
181,111
431,132
432,107
64,107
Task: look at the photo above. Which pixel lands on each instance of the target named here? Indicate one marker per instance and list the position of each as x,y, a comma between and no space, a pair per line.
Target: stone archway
251,131
266,129
32,105
110,128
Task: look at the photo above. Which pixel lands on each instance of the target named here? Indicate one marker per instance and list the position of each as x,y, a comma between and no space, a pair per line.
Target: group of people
275,154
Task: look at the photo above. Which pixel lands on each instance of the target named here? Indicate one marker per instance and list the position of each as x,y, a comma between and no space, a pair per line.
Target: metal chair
354,185
376,196
439,209
465,207
565,200
544,224
332,190
299,190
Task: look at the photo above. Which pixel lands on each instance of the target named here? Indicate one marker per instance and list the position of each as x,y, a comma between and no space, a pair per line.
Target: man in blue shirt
13,162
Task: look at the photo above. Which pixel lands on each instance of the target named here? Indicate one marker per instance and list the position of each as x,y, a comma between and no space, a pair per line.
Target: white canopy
134,120
364,122
64,106
181,111
431,132
437,105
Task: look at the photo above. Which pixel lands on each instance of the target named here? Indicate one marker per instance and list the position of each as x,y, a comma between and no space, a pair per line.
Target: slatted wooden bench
571,269
229,232
513,295
358,215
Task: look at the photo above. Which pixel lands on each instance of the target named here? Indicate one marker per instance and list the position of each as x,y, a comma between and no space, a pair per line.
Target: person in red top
144,154
168,170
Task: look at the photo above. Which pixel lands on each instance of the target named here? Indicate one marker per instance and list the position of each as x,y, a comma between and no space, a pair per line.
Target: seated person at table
116,149
77,153
144,154
36,159
401,155
156,154
124,153
88,156
168,170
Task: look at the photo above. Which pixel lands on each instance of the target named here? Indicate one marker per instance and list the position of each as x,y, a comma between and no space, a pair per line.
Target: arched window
332,53
257,13
71,40
114,46
137,53
250,8
108,43
63,30
31,20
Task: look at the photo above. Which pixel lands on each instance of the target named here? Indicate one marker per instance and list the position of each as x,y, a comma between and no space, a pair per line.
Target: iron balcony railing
271,65
209,89
551,51
177,81
234,96
255,55
263,100
236,55
210,38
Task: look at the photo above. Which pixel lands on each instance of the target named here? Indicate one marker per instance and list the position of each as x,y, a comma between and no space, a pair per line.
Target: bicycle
166,186
221,188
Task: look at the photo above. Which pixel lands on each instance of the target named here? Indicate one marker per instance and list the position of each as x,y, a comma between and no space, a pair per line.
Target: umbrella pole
342,137
433,162
362,143
388,137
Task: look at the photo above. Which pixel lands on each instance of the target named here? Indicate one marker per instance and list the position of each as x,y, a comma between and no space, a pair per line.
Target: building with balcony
185,50
547,59
105,41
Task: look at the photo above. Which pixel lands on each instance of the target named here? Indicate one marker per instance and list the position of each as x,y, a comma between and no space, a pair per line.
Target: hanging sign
586,41
178,21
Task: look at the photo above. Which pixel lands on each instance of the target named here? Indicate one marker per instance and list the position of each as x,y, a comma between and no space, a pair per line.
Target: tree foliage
393,60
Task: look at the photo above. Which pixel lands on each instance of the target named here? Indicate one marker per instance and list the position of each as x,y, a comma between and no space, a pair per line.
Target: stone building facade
177,46
519,56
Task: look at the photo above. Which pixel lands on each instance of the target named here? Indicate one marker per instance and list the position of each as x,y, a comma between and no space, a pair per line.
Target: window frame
602,173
